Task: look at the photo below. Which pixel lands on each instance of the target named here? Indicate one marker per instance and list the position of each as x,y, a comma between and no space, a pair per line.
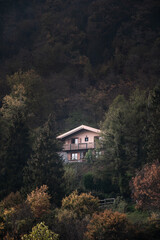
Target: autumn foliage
146,186
41,232
39,201
74,214
81,205
107,225
11,200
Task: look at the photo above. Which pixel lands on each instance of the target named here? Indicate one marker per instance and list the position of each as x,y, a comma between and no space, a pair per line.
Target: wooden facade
77,142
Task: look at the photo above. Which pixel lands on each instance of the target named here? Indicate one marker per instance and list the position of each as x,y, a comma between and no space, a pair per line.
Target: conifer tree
124,138
45,165
15,153
15,142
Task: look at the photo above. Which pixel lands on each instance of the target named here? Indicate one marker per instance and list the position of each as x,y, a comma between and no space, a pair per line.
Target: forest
70,62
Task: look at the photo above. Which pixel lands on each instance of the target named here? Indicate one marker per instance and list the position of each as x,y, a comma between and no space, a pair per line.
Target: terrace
79,146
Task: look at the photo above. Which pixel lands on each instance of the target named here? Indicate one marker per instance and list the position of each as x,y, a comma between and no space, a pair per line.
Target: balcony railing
79,146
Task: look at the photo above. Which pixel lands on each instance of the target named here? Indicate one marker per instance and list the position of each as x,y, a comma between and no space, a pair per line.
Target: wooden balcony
79,146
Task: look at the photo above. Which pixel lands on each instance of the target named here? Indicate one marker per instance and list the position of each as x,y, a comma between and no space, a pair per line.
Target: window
74,141
74,156
86,139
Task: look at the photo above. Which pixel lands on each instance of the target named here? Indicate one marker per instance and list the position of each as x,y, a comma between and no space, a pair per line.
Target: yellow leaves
2,226
154,219
9,211
13,102
154,216
80,204
40,232
64,215
39,201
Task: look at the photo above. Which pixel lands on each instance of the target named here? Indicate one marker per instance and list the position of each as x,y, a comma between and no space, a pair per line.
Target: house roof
77,129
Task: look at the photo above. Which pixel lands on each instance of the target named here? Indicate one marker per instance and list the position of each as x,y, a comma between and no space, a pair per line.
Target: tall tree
124,142
115,159
45,165
16,151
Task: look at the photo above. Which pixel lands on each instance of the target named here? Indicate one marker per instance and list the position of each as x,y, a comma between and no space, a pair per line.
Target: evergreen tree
15,153
114,141
124,138
45,165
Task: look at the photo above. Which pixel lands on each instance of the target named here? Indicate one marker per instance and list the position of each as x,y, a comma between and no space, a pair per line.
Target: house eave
82,127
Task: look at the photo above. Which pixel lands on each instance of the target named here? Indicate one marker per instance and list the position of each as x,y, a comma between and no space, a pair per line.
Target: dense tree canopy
124,138
130,137
86,53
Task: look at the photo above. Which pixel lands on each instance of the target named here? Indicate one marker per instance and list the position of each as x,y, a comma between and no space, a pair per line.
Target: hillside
64,63
85,51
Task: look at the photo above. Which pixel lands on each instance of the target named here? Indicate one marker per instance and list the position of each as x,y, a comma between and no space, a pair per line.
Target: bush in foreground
74,215
41,232
108,225
81,205
69,227
16,217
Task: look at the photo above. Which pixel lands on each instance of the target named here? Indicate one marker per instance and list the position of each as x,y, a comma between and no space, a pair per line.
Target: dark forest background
78,54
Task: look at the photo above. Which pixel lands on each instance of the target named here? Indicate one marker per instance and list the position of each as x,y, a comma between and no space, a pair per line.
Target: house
77,142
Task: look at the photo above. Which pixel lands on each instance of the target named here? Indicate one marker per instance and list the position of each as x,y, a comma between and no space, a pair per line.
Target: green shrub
138,217
88,181
120,205
89,156
70,179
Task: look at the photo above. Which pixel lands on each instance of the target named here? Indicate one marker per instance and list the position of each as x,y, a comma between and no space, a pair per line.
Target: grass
138,217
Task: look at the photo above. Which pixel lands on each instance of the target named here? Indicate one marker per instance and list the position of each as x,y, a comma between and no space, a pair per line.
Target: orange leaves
107,225
39,201
146,186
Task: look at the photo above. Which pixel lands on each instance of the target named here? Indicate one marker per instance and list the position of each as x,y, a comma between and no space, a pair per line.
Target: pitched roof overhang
82,127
